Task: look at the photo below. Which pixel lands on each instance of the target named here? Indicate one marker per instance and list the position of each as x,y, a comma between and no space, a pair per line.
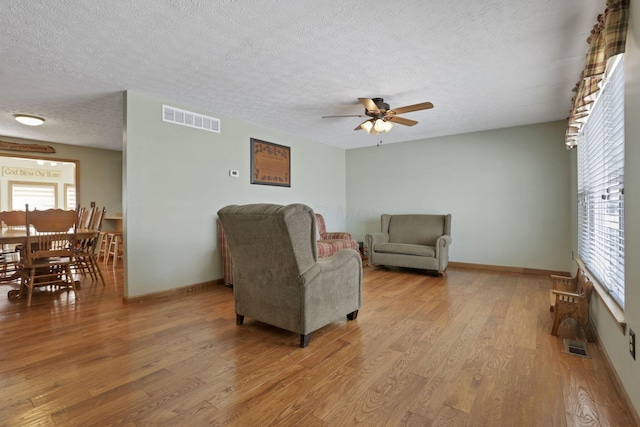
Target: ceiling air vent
189,118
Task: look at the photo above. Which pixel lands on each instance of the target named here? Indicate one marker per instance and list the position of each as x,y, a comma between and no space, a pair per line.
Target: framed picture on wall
270,163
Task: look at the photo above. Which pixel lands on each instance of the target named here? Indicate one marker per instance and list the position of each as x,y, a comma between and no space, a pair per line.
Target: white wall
506,189
615,343
177,178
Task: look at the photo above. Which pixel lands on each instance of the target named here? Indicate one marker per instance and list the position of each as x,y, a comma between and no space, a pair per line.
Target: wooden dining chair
12,219
85,216
86,256
10,253
570,297
49,249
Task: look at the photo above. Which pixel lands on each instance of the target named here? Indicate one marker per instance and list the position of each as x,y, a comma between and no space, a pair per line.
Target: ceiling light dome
366,126
379,126
29,120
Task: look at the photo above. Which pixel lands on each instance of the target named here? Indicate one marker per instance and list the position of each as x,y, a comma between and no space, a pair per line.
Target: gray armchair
278,278
412,241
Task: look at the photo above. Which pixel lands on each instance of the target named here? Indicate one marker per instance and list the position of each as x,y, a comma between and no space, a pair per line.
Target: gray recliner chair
411,241
278,278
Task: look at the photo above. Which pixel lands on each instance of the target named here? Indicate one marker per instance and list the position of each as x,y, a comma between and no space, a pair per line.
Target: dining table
16,236
13,235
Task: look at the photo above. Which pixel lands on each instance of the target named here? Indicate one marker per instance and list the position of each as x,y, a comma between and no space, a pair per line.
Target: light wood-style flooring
470,348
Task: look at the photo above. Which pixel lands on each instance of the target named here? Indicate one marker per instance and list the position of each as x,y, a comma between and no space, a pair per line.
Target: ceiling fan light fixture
29,120
382,118
367,126
380,125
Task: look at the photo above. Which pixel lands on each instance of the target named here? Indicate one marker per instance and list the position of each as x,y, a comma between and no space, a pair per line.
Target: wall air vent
189,118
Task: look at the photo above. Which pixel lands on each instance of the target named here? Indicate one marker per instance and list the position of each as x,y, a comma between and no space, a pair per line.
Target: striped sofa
328,243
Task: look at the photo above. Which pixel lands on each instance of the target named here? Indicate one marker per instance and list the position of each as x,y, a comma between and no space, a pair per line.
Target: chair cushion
406,249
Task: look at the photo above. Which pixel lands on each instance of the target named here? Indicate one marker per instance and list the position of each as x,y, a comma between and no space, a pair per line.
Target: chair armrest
339,235
330,263
443,241
555,277
372,238
338,259
567,294
442,244
444,238
331,288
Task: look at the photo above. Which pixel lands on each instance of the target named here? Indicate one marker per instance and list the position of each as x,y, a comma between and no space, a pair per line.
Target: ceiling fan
382,118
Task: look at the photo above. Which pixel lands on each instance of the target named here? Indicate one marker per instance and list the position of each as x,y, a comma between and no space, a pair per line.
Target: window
601,185
27,179
38,195
69,197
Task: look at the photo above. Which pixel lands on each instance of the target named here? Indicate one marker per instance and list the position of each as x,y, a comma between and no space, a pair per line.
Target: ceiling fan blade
369,104
351,115
402,121
410,108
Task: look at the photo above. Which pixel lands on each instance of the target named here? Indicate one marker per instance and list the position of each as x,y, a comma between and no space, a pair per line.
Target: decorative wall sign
18,172
270,163
28,148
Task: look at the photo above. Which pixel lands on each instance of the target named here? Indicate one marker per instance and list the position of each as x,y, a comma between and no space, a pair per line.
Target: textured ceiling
285,64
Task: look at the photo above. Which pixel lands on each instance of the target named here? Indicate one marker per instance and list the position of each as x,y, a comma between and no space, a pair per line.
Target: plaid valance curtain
608,38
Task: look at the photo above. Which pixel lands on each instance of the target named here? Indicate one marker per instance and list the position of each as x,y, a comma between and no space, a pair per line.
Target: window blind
601,185
70,197
38,196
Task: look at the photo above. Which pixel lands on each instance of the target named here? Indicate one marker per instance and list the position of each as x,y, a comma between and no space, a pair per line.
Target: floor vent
576,348
189,118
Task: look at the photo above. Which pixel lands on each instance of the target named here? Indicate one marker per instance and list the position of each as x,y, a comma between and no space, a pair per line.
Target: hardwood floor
471,348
